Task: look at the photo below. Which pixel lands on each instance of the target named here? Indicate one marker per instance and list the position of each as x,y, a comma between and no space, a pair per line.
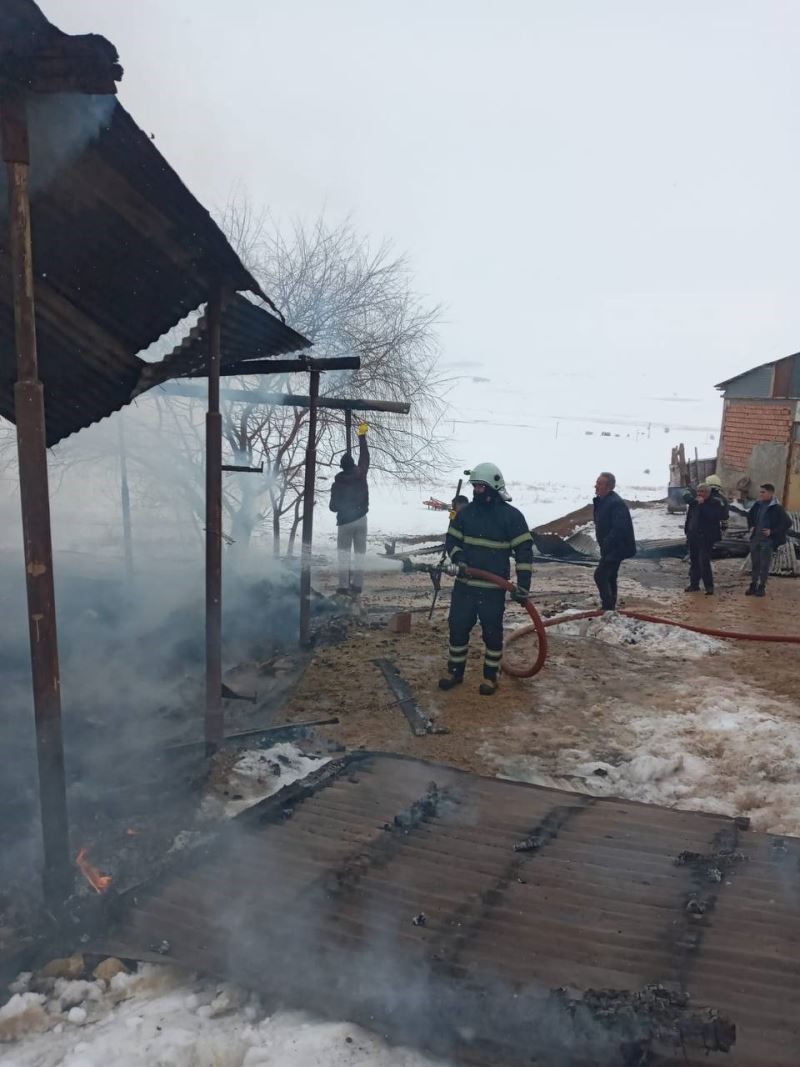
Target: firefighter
714,483
484,535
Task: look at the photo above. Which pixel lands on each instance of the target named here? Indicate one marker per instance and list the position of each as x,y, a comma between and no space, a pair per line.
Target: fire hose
539,626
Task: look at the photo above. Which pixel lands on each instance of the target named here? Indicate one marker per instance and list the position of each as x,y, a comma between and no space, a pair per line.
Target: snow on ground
656,523
159,1017
731,751
258,774
614,629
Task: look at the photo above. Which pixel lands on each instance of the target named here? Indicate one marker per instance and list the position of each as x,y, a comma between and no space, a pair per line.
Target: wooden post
214,726
308,511
125,500
35,501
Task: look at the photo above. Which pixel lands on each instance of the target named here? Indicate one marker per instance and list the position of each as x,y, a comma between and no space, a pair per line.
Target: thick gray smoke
132,647
60,127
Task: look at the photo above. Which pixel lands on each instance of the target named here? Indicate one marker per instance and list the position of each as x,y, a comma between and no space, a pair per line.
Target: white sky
603,195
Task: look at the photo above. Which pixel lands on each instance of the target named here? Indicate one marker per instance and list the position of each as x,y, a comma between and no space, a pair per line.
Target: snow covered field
551,442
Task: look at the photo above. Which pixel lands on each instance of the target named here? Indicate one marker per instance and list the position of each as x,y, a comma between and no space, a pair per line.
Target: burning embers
99,882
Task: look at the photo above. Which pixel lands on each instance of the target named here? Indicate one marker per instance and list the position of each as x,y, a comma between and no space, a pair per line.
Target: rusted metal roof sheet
246,331
122,250
476,917
36,55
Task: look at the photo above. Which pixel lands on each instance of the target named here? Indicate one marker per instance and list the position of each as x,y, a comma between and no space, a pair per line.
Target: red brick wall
747,423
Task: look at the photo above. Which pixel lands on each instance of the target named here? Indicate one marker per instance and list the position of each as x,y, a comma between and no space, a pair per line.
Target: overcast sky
603,194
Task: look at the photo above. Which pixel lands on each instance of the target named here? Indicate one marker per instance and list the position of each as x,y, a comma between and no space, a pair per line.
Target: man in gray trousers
769,525
350,501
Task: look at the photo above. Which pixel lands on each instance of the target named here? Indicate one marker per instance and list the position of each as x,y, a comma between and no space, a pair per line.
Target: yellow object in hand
362,428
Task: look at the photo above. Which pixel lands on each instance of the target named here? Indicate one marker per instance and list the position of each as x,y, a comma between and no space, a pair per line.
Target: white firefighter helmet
714,480
489,474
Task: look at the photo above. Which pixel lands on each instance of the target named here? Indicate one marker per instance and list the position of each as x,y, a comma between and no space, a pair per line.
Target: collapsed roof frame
92,317
313,401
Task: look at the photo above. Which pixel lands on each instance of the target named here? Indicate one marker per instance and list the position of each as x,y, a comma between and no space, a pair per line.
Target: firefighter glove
521,596
362,429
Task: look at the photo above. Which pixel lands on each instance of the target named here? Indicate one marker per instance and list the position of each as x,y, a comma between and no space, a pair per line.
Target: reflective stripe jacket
485,536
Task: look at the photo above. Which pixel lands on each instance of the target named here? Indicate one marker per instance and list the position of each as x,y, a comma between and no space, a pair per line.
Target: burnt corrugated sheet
36,55
448,910
122,252
246,331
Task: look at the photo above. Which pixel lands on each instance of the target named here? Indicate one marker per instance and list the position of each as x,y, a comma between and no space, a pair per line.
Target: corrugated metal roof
36,55
122,252
750,370
449,910
246,331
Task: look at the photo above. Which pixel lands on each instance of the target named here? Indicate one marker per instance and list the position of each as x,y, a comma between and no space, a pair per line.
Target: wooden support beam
214,725
35,502
262,396
308,512
287,366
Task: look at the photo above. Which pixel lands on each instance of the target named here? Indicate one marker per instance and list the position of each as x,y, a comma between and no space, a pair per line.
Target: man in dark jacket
484,535
350,501
769,525
614,531
703,528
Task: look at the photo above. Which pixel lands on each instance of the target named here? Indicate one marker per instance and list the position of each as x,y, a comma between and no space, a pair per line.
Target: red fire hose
539,626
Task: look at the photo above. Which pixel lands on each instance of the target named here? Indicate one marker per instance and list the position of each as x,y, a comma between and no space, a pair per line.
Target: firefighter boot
488,687
451,679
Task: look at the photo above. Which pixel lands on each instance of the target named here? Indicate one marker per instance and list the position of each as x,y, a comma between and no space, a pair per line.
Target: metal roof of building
759,366
246,332
488,920
122,250
35,55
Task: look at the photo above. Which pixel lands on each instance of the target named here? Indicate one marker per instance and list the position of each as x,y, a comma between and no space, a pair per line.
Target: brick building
760,438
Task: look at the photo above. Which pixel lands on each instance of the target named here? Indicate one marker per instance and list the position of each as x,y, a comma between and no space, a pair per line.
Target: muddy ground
621,708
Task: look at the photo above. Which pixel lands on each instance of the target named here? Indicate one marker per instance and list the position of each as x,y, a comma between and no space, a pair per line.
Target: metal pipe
125,498
259,396
308,512
233,468
214,725
35,501
348,430
287,366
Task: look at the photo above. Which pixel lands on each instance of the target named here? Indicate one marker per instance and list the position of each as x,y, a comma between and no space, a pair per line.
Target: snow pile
23,1014
159,1018
731,754
258,774
619,630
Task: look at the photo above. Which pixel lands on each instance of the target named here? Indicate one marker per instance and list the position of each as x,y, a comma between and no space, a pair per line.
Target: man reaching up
350,501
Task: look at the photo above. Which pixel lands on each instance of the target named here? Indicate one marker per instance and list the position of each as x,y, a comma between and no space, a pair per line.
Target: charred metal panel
480,918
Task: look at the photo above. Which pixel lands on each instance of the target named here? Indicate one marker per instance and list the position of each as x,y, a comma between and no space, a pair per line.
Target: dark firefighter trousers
468,605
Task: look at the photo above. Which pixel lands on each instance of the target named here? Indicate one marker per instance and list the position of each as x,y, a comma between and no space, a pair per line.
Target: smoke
330,935
131,646
60,127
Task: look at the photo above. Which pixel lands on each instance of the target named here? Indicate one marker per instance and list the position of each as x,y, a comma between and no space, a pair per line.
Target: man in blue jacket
703,528
769,525
614,531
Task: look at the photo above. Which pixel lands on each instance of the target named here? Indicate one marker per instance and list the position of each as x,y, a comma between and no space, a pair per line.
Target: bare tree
349,299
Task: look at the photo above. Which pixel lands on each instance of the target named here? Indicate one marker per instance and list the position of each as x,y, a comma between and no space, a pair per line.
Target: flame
99,882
